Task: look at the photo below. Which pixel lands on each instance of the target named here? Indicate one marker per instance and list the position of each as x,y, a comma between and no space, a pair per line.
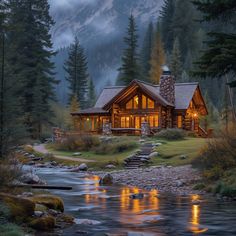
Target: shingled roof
183,95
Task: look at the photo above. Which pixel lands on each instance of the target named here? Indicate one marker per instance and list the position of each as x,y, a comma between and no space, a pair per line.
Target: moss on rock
20,208
50,201
45,223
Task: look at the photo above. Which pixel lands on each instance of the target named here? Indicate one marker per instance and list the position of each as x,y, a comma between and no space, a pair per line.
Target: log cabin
125,108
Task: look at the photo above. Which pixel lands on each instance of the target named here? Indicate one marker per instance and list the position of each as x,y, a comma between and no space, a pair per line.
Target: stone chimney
167,85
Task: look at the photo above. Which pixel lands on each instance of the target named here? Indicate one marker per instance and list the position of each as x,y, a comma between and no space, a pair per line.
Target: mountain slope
100,26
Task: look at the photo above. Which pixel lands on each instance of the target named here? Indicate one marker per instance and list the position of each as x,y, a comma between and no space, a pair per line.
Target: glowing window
179,121
144,102
124,122
153,121
129,104
150,104
136,102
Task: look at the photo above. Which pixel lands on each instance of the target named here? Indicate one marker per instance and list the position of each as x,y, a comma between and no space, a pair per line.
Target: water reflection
195,216
118,213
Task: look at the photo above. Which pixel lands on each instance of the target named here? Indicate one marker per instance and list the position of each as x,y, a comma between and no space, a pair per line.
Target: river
114,212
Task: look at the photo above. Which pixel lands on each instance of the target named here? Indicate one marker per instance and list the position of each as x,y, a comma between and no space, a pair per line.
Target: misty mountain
100,26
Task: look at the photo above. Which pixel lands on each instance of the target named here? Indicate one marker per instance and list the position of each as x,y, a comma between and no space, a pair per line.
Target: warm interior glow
195,114
179,121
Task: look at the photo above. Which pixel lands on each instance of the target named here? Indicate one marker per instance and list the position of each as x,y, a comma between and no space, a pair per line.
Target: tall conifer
30,53
129,69
77,73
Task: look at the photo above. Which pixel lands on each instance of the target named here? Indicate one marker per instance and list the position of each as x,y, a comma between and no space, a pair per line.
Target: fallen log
38,186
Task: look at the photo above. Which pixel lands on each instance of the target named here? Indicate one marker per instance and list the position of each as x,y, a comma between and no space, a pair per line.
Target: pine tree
166,17
145,55
30,53
74,104
91,94
175,65
129,69
74,107
185,27
77,73
157,58
11,124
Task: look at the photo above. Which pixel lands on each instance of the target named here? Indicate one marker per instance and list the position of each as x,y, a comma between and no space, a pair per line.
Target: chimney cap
166,70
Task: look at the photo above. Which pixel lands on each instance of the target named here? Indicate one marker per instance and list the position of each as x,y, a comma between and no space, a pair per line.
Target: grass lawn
170,151
101,160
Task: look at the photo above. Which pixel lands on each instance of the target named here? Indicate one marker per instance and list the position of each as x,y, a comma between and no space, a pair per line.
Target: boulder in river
107,179
50,201
20,208
45,223
30,178
83,167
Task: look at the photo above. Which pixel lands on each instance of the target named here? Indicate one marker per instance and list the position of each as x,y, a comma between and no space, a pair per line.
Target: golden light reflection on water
195,216
129,205
87,187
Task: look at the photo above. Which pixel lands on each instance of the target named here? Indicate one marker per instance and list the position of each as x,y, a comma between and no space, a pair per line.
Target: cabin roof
184,93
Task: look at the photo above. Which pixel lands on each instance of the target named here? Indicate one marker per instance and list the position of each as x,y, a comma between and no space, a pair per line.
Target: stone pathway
140,158
42,149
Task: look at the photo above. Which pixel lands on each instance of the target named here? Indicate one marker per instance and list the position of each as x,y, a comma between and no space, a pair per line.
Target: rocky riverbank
176,180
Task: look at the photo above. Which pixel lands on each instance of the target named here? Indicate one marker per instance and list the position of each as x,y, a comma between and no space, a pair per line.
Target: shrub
171,134
225,190
82,142
199,186
217,156
10,170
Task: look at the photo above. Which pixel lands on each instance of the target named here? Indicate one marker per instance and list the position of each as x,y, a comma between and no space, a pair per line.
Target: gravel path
41,148
177,180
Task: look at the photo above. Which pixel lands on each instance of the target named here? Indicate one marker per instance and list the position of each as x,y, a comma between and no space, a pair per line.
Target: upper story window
133,103
147,103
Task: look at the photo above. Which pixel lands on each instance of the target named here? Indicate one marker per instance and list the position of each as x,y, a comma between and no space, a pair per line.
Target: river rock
45,223
153,154
83,167
77,154
182,157
53,163
20,208
179,183
107,179
50,201
87,222
30,178
38,213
